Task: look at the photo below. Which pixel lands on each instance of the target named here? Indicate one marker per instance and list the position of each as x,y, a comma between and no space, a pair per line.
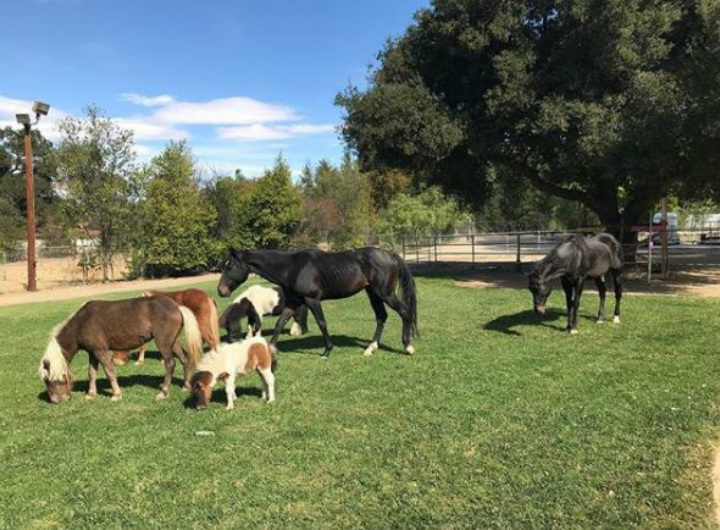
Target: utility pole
40,109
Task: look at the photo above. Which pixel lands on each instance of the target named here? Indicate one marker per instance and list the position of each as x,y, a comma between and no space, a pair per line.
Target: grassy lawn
499,421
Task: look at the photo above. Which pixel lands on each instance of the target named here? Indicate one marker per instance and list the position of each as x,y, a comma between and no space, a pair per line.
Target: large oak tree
613,103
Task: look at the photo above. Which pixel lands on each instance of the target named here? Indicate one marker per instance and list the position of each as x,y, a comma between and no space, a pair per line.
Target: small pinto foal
228,361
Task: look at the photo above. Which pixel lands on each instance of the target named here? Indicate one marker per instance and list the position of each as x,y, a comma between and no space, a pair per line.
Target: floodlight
40,108
23,119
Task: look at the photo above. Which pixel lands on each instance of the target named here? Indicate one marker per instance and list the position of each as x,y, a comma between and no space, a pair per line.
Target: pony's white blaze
59,367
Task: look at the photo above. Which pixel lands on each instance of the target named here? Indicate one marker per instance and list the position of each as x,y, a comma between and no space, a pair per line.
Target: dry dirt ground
61,279
703,282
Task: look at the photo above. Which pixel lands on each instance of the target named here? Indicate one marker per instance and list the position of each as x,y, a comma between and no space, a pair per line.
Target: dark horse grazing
101,327
575,260
310,276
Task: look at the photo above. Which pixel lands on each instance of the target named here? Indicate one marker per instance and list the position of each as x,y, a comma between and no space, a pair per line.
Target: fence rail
687,247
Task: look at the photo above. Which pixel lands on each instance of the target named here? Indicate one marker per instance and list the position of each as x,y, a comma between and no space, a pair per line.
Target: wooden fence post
473,247
518,263
403,246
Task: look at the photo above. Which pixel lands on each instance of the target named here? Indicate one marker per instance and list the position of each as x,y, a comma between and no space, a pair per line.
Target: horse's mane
58,366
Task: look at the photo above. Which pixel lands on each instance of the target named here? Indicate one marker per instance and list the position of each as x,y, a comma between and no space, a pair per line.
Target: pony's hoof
370,349
573,332
410,350
600,321
161,395
271,401
116,398
138,363
90,395
230,407
186,387
616,320
295,330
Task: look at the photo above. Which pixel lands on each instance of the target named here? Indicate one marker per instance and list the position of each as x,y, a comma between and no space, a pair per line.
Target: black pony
573,261
310,276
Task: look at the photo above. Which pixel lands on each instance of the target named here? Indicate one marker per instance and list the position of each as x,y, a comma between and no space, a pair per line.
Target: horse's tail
408,294
214,325
192,336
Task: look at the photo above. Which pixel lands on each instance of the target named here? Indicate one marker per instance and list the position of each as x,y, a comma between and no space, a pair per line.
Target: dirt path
78,291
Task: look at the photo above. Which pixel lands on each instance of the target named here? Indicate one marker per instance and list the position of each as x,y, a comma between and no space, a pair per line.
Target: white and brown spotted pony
229,361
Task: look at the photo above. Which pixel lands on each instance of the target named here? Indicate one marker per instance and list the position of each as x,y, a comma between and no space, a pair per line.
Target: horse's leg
579,284
280,325
92,376
568,287
230,392
300,326
401,309
600,282
268,381
105,358
380,318
180,354
316,308
141,354
169,346
617,280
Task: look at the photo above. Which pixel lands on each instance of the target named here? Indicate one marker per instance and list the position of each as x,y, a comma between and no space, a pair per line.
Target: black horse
573,261
310,276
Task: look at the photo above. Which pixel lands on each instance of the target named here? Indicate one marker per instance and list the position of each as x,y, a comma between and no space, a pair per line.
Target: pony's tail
214,325
192,336
408,294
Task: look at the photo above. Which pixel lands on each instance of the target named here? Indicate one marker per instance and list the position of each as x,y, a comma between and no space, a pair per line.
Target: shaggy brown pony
205,312
101,327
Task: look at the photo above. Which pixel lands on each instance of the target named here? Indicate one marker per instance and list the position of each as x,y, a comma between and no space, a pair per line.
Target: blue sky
241,80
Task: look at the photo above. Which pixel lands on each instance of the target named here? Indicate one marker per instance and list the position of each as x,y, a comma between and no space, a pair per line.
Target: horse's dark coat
309,276
573,261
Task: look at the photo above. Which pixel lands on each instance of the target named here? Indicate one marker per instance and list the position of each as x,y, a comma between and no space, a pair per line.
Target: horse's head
59,387
234,273
540,290
201,386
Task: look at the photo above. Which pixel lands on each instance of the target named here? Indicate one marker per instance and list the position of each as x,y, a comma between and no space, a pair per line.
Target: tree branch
554,189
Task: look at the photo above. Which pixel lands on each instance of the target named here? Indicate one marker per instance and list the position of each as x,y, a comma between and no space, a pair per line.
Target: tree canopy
612,103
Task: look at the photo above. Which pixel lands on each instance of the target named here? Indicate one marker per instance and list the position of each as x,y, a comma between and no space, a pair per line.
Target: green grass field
500,421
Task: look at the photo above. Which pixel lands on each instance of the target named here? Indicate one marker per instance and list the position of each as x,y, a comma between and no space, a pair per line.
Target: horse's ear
234,254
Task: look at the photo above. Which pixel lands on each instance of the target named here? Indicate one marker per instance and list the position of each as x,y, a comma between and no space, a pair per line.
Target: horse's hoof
370,349
616,320
186,387
410,350
138,363
230,407
573,332
295,330
161,395
270,401
116,398
600,321
90,395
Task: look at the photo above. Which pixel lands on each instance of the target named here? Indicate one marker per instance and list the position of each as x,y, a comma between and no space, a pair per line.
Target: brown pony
101,327
205,312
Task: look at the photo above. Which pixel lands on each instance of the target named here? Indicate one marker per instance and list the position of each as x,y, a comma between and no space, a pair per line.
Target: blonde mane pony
58,366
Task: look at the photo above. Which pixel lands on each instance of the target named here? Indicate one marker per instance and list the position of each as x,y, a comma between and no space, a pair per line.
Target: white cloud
146,101
144,128
258,132
225,111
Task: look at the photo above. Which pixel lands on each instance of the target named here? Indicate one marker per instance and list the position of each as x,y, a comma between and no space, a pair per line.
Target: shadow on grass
124,381
506,323
218,395
315,342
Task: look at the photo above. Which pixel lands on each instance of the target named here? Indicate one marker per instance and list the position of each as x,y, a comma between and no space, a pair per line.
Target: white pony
228,361
265,301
